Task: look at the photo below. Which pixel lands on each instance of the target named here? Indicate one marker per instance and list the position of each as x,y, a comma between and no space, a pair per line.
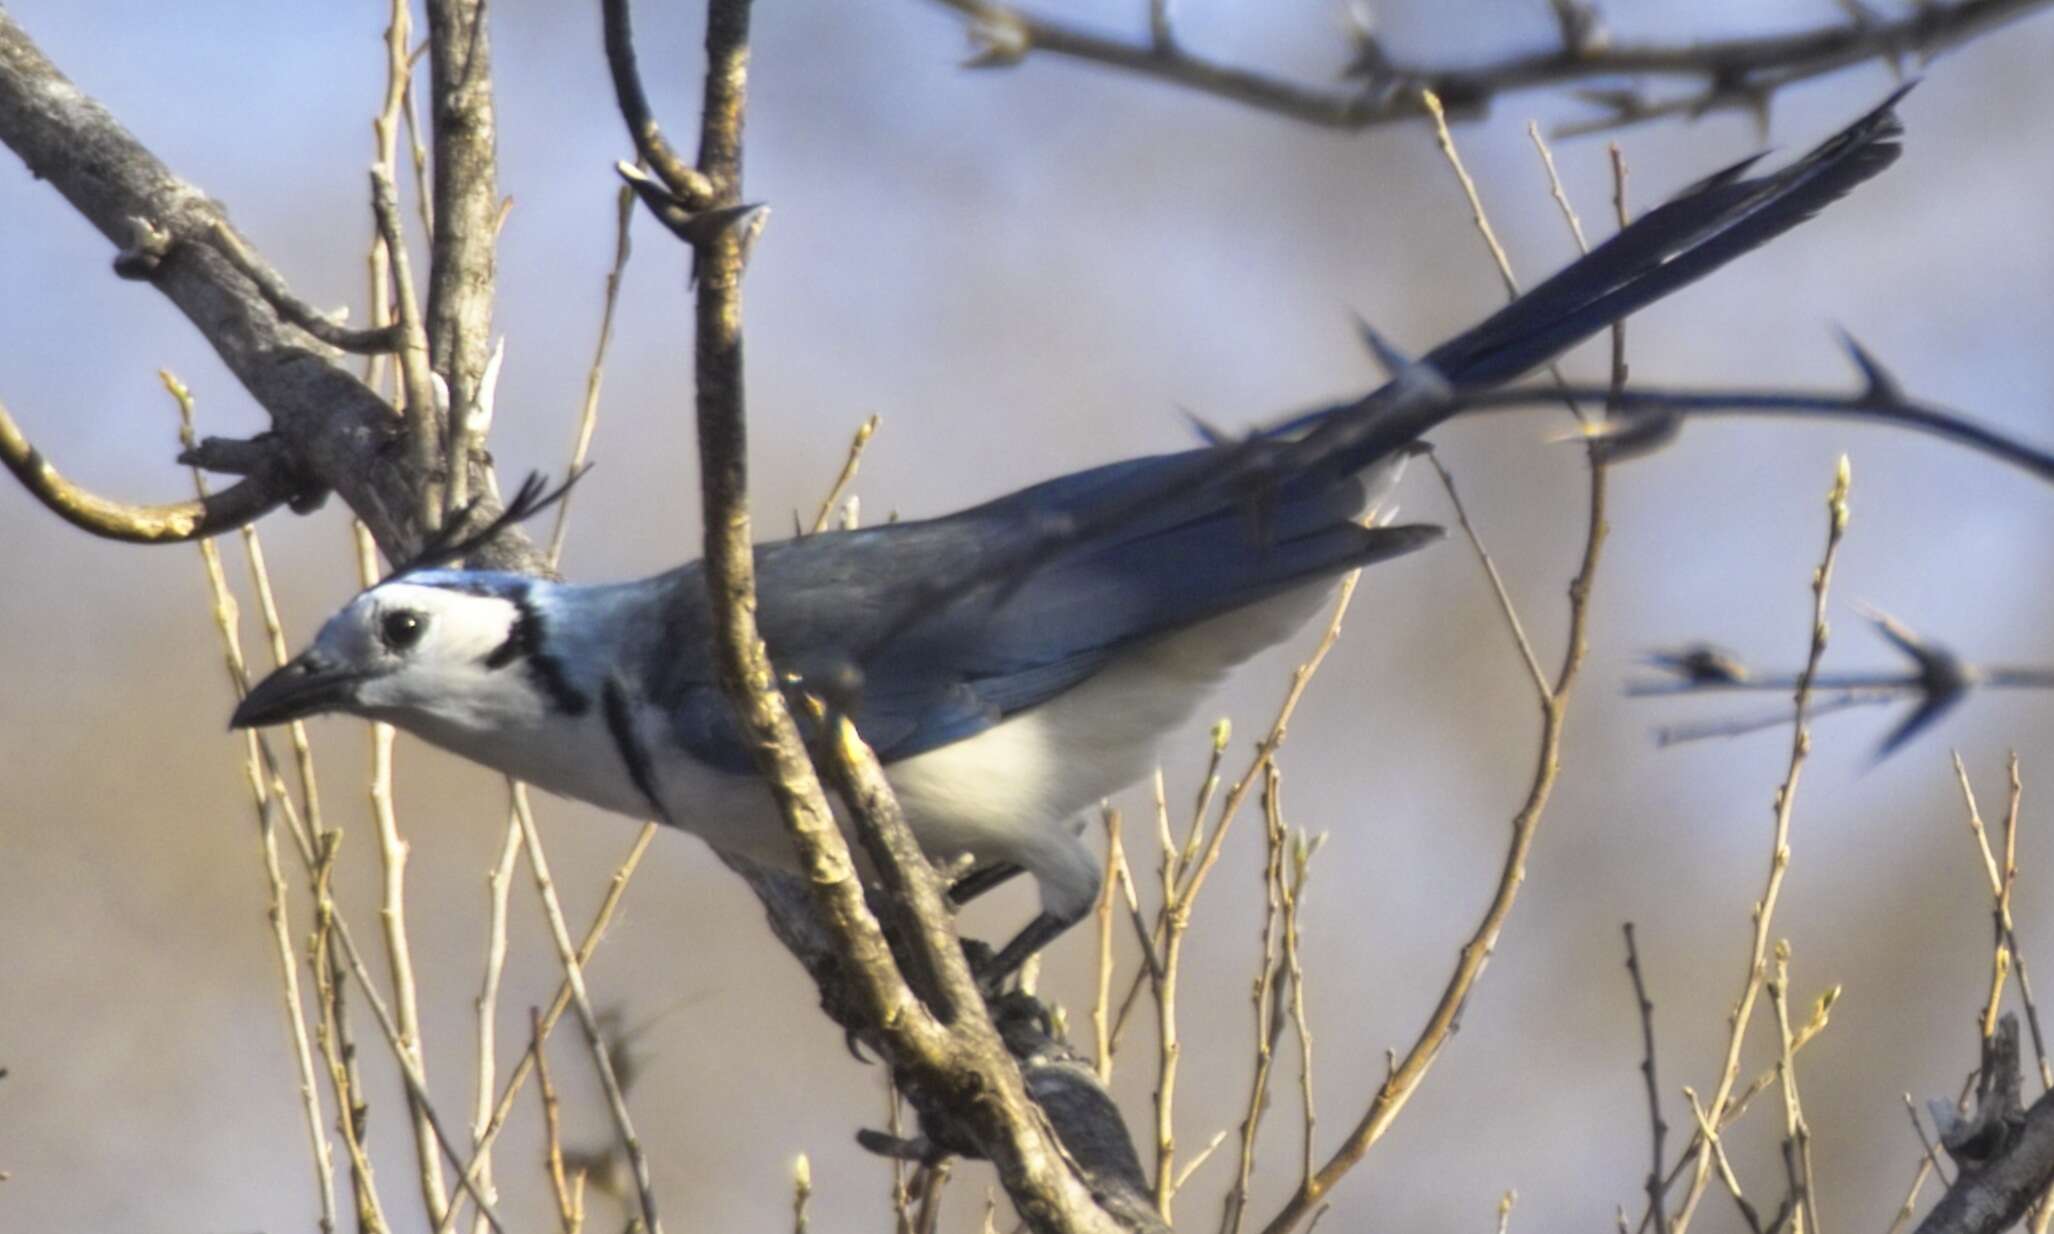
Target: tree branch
461,269
173,523
1734,72
1993,1191
339,432
941,1040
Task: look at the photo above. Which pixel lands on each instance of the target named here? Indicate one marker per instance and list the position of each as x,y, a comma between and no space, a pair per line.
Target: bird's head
420,645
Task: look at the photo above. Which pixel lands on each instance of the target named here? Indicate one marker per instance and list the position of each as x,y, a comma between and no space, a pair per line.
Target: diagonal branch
334,426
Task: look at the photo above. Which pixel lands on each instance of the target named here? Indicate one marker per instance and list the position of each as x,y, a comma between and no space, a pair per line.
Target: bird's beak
306,686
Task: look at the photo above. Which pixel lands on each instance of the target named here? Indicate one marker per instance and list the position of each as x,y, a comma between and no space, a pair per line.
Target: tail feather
1678,242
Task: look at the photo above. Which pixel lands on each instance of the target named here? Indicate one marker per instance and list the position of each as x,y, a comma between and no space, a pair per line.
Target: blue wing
1019,599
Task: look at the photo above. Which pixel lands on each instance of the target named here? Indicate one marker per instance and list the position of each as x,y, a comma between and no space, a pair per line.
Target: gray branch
164,230
461,262
2006,1159
1743,72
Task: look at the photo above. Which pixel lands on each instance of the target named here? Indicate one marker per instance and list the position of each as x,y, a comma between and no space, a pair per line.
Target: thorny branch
1729,73
1938,680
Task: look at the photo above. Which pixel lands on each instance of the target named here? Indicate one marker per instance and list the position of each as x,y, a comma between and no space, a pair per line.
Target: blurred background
1027,272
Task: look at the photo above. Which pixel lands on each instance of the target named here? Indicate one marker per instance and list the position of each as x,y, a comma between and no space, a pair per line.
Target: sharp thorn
1880,388
1211,433
1388,357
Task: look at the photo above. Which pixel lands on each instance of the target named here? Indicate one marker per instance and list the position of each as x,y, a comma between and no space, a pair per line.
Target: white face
417,647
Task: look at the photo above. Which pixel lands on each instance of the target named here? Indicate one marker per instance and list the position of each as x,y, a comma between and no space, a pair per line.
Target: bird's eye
401,629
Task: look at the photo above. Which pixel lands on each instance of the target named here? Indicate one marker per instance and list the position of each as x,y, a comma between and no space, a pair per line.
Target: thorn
1583,32
919,1149
1943,679
669,209
1623,102
1760,101
1700,664
1922,717
1898,634
1882,388
1389,358
1212,434
1370,61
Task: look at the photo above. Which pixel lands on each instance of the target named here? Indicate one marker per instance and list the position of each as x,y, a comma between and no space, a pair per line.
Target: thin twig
567,952
1269,975
1294,900
802,1191
567,1208
1405,1076
329,330
1657,1127
392,852
1797,1143
1932,1151
498,883
1779,852
1101,1021
588,410
276,909
1717,1155
847,474
595,933
424,425
1490,568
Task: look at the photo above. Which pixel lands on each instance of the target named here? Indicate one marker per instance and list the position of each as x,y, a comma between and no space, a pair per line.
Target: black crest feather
456,539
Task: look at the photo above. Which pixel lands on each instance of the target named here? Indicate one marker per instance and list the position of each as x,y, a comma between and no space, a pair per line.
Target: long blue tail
1700,229
1305,465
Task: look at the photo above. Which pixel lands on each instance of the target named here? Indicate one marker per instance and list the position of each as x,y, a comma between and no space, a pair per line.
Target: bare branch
1995,1192
682,179
173,523
1742,72
333,424
1779,846
944,1049
1405,1077
1656,1126
847,476
328,329
392,853
466,221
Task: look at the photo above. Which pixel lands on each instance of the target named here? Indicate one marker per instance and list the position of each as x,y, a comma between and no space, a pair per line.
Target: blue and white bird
1004,709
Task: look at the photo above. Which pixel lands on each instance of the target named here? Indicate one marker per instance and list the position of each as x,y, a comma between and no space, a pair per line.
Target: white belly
1015,792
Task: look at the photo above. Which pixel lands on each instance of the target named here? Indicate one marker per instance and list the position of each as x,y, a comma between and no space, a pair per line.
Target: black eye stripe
525,643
